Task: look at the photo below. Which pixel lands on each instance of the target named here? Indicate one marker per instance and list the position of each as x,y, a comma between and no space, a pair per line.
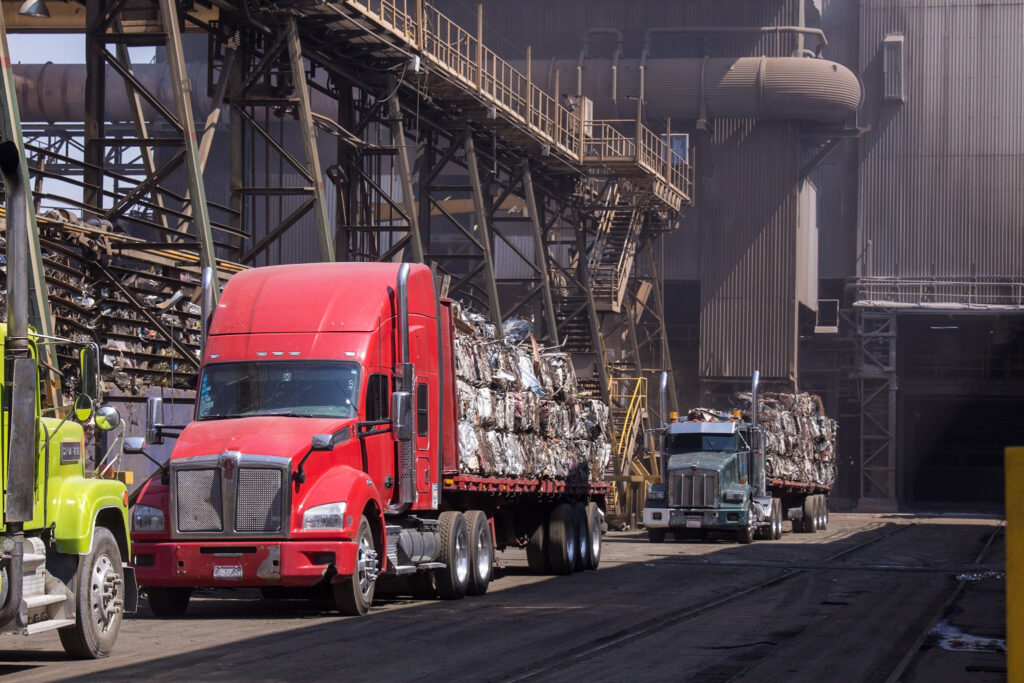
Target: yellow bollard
1014,470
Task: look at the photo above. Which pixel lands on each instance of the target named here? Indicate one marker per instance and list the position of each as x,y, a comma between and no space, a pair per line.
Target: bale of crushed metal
521,411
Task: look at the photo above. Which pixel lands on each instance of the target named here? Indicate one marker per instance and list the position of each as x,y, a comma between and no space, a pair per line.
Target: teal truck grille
693,488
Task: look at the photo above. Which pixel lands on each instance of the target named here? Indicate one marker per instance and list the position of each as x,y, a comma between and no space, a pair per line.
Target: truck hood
702,460
263,435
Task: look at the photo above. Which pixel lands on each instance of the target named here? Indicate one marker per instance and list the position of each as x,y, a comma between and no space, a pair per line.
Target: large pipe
800,31
757,466
585,54
744,87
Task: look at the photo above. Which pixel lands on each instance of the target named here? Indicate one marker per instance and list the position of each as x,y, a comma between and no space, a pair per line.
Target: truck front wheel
99,600
354,594
453,579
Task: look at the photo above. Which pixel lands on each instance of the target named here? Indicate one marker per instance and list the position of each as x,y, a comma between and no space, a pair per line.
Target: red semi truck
324,450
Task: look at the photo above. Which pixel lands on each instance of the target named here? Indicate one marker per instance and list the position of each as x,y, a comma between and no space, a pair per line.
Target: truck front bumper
694,518
240,563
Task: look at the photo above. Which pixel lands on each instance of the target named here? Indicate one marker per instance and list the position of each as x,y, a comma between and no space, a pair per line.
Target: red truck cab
285,473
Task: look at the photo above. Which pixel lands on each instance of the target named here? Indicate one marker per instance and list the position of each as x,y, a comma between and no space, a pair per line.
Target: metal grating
258,505
199,500
693,488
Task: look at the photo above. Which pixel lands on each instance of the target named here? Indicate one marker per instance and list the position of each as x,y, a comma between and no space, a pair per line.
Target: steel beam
541,251
483,224
193,168
305,115
405,176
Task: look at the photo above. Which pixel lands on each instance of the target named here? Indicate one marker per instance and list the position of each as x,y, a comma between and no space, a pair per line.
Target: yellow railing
423,27
632,393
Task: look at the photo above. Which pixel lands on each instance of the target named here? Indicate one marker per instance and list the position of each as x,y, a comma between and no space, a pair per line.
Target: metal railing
987,292
630,392
463,57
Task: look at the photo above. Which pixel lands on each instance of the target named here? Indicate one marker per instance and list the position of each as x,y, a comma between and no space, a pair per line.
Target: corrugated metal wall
748,251
942,174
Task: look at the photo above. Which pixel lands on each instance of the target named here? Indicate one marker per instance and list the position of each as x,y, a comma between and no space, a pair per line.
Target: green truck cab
63,533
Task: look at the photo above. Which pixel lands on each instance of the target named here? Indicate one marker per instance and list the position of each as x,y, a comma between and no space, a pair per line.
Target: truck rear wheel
594,532
824,512
353,595
810,518
453,579
481,552
537,550
776,520
168,602
99,600
562,545
579,521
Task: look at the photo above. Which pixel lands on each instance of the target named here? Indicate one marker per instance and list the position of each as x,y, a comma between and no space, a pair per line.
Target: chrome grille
258,501
693,488
199,500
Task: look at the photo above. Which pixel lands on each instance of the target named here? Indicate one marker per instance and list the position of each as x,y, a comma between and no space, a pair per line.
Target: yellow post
1014,471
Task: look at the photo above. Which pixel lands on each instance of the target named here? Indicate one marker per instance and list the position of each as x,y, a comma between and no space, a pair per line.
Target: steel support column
193,168
877,387
483,224
405,176
305,114
541,251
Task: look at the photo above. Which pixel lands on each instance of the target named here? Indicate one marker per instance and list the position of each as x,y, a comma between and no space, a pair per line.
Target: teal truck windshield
691,443
286,387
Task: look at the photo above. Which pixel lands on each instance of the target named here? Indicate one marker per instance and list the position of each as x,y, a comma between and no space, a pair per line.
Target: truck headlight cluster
147,518
330,516
733,496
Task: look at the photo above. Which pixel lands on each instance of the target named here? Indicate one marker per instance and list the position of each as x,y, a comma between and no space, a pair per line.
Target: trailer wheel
656,535
168,602
810,518
453,579
99,600
824,512
481,552
776,519
562,540
593,517
579,521
537,550
353,595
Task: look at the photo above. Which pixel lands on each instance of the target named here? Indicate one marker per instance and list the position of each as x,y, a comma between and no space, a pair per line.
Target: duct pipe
746,87
585,53
703,30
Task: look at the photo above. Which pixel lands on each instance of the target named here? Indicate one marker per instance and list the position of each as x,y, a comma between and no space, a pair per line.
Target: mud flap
131,590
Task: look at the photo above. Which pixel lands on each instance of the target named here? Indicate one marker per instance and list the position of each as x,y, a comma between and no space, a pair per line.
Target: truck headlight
330,516
733,496
147,518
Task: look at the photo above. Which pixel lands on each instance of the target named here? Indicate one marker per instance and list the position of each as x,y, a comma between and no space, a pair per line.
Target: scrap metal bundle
87,306
521,413
800,440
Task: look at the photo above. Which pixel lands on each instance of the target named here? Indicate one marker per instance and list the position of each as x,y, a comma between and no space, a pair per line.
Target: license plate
693,522
233,571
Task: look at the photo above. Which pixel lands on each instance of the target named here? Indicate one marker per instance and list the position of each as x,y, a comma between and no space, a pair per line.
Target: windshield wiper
217,416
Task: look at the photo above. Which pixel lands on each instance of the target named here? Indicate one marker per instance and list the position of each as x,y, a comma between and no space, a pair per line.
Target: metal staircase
611,259
632,466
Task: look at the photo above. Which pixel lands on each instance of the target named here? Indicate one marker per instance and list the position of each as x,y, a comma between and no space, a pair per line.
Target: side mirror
134,444
83,407
87,364
154,420
107,418
322,442
401,411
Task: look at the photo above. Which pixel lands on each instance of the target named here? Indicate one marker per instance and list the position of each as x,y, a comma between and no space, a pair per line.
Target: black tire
656,535
168,602
537,550
562,540
824,512
594,532
810,520
353,595
453,579
579,521
99,600
481,552
746,534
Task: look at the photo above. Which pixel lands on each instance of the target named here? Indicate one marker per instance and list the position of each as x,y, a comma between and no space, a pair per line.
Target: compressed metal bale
469,448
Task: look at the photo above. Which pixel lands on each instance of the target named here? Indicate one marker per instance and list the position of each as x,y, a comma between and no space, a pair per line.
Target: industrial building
826,192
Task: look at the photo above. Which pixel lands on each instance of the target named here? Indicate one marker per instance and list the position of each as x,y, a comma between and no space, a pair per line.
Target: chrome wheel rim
105,601
461,557
483,553
366,566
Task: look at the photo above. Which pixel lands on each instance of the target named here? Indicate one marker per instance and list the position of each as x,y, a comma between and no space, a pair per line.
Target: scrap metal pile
799,441
521,413
130,303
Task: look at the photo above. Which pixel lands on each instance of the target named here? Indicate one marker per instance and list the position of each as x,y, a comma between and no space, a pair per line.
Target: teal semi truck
714,479
64,535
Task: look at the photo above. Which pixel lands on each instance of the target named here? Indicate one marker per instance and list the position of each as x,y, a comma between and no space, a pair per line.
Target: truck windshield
292,388
691,443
